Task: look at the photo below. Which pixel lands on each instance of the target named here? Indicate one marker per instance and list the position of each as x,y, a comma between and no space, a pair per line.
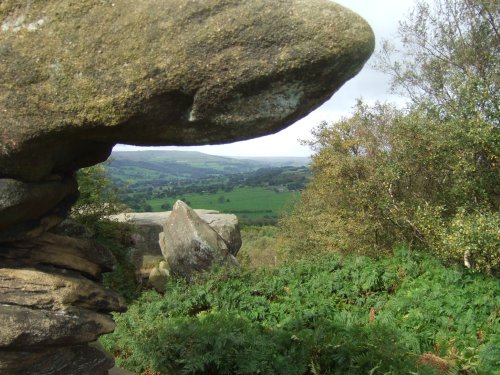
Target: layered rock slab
52,305
71,360
75,254
78,77
24,327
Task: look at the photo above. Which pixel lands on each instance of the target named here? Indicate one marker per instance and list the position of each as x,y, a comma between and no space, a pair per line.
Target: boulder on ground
190,245
146,248
158,276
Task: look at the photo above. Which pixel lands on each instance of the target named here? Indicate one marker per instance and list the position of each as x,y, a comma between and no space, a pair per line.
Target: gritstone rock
148,225
158,276
190,245
78,77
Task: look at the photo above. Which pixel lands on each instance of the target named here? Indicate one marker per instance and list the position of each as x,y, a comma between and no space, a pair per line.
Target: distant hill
167,165
278,161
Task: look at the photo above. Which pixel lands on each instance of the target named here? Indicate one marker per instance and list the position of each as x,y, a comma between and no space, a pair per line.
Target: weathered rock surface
55,290
226,226
21,202
146,247
190,245
71,360
159,275
23,327
72,253
78,77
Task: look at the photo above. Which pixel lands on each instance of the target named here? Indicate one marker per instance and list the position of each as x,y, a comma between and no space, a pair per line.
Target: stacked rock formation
146,251
189,244
77,77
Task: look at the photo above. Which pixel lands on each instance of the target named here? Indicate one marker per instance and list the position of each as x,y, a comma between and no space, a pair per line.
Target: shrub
98,199
426,175
325,315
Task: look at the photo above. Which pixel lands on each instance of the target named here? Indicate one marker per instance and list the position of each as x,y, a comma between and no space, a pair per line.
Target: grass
245,202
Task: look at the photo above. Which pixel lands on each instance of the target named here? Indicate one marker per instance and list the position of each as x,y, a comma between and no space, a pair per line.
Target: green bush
325,315
98,196
428,175
97,200
472,238
384,177
116,237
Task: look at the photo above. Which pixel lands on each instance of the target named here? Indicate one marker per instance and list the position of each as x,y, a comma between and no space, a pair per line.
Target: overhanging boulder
78,77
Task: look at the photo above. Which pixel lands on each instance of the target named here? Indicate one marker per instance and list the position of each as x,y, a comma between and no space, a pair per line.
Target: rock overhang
78,77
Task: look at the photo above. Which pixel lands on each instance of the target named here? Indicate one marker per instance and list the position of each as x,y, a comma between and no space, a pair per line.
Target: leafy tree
99,199
98,196
427,175
449,58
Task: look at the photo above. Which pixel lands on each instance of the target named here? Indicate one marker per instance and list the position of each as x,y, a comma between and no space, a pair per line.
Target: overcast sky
383,16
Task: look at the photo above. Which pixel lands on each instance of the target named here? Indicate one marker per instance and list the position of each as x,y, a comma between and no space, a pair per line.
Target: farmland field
245,202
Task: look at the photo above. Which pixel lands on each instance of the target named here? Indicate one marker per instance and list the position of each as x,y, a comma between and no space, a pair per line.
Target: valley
256,190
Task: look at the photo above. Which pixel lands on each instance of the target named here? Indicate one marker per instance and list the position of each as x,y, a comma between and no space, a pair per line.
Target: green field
245,202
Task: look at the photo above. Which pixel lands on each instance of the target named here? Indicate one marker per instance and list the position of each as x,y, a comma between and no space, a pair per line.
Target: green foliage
345,206
116,237
449,57
258,247
98,199
428,175
98,196
325,315
472,237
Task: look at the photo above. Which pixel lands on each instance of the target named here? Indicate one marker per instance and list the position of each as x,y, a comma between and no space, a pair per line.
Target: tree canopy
427,175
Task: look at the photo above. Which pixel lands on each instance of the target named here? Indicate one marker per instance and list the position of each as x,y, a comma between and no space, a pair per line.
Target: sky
369,84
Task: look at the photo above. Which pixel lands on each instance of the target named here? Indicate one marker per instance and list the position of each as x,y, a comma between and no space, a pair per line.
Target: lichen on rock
163,72
77,77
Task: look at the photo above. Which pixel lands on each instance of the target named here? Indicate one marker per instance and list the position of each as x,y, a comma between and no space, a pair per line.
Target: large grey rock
25,328
190,245
55,290
226,226
76,77
148,225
